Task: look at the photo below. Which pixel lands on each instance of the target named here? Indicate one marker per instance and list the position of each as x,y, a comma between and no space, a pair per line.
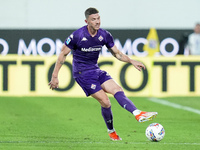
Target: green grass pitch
54,123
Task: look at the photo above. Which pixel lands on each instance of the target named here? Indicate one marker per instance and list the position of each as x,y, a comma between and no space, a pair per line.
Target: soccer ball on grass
155,132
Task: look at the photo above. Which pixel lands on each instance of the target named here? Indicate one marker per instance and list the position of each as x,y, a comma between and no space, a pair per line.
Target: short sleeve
109,40
71,41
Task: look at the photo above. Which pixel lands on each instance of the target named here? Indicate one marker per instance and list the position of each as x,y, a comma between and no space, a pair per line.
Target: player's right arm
60,61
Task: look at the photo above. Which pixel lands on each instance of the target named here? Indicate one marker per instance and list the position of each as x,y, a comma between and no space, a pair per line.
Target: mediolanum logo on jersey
91,49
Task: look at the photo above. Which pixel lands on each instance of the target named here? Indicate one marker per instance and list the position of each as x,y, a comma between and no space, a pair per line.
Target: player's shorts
91,80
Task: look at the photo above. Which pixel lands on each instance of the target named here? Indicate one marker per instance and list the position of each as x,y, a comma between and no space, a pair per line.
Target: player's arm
122,57
60,61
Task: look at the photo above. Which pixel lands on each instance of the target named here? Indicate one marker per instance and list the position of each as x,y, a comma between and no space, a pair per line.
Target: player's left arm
122,57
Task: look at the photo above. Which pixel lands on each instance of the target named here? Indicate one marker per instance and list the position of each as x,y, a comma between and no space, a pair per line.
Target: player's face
93,21
197,29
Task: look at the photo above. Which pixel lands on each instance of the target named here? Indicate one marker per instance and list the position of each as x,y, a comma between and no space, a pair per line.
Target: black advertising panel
49,42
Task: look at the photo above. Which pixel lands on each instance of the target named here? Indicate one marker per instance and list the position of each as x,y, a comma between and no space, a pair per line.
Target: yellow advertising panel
152,46
164,76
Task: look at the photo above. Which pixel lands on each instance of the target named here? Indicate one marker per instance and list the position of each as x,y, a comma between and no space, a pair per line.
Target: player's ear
85,21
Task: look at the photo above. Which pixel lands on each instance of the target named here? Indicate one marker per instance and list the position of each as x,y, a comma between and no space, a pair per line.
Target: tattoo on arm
120,56
62,62
112,52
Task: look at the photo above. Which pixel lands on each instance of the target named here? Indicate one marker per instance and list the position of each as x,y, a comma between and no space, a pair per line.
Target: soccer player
86,44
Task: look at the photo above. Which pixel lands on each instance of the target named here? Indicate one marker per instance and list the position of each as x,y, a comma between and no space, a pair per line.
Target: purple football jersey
86,49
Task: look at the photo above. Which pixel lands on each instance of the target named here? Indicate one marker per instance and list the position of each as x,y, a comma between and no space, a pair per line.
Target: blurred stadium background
154,32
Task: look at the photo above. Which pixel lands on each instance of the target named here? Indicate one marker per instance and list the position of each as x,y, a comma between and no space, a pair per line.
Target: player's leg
102,98
110,86
91,86
104,101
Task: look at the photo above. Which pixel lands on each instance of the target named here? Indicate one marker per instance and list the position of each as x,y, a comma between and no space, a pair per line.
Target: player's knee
117,89
120,89
105,103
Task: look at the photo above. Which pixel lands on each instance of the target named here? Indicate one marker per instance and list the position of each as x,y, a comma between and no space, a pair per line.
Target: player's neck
92,31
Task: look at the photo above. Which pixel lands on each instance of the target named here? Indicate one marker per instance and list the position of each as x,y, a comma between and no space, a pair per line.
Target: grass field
53,123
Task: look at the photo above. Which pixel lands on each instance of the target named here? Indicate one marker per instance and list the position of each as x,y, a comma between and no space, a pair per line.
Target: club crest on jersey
93,86
100,38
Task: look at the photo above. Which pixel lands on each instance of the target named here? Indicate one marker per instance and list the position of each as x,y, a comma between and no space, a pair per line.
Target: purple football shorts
91,80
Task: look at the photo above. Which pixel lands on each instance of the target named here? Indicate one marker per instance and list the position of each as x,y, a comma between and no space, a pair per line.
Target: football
155,132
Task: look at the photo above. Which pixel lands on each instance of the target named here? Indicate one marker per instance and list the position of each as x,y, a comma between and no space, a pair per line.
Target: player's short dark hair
90,11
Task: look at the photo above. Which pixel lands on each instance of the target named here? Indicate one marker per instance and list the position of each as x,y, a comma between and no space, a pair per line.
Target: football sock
124,101
108,117
136,112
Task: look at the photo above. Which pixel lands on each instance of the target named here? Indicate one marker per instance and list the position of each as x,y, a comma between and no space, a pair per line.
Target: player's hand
138,65
53,83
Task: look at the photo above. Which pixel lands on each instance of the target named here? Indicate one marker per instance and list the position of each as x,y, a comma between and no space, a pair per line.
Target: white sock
111,131
136,112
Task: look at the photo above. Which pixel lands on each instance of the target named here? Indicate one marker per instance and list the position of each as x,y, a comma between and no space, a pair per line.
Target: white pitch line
174,105
90,142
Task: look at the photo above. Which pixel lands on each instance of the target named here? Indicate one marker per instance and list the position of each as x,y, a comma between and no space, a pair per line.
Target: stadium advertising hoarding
164,76
28,57
49,42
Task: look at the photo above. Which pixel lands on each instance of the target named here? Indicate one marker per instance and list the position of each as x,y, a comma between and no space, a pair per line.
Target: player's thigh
102,98
110,86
